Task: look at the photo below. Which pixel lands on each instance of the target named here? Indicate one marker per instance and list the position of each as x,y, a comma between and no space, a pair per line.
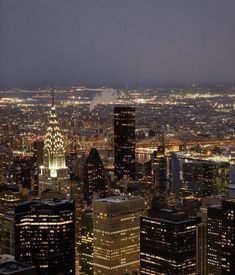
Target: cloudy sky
116,42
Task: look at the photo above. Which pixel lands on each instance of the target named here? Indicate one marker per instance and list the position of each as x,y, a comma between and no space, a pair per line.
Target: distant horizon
153,86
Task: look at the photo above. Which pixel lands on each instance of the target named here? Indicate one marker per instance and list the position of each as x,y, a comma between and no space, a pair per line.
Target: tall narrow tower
54,176
124,143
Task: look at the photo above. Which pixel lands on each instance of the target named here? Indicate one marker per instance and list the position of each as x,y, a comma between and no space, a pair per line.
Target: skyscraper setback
124,143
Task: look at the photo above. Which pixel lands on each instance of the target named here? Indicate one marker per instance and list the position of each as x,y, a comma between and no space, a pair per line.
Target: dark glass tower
168,243
45,235
94,177
124,143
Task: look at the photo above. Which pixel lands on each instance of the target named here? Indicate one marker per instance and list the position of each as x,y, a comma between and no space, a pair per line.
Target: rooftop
11,266
117,199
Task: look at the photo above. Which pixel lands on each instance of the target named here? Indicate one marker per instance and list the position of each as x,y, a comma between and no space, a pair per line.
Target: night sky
116,42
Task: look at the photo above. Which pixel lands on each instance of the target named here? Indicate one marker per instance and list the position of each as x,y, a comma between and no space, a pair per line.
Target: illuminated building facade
206,178
94,177
124,143
9,197
54,175
45,235
201,249
168,243
86,247
116,229
6,158
214,239
228,237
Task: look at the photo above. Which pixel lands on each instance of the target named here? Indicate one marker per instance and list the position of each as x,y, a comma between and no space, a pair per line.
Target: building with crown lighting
54,175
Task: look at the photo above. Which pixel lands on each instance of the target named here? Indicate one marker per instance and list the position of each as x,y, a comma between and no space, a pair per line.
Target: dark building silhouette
94,177
168,242
45,235
175,176
124,143
37,162
159,170
23,173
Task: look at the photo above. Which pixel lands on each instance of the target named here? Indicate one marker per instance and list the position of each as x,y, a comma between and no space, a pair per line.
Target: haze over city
116,43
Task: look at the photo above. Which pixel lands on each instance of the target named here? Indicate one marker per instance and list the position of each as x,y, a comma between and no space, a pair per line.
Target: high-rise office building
214,239
9,197
6,159
54,175
116,230
206,177
168,242
124,143
23,173
228,237
201,249
159,171
86,246
175,177
221,238
37,162
94,177
7,233
45,235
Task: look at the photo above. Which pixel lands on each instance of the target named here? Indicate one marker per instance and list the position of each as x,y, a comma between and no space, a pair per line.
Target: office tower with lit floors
116,231
54,175
94,177
168,243
228,237
124,143
214,239
45,235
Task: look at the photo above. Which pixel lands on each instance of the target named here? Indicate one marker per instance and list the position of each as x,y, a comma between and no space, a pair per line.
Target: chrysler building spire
54,173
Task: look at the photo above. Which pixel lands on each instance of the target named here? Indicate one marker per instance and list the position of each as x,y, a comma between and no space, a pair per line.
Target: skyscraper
124,143
116,235
228,237
45,235
54,176
86,247
214,239
168,243
7,233
38,162
94,177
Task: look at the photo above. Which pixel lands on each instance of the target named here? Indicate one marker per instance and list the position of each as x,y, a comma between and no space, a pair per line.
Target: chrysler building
54,175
